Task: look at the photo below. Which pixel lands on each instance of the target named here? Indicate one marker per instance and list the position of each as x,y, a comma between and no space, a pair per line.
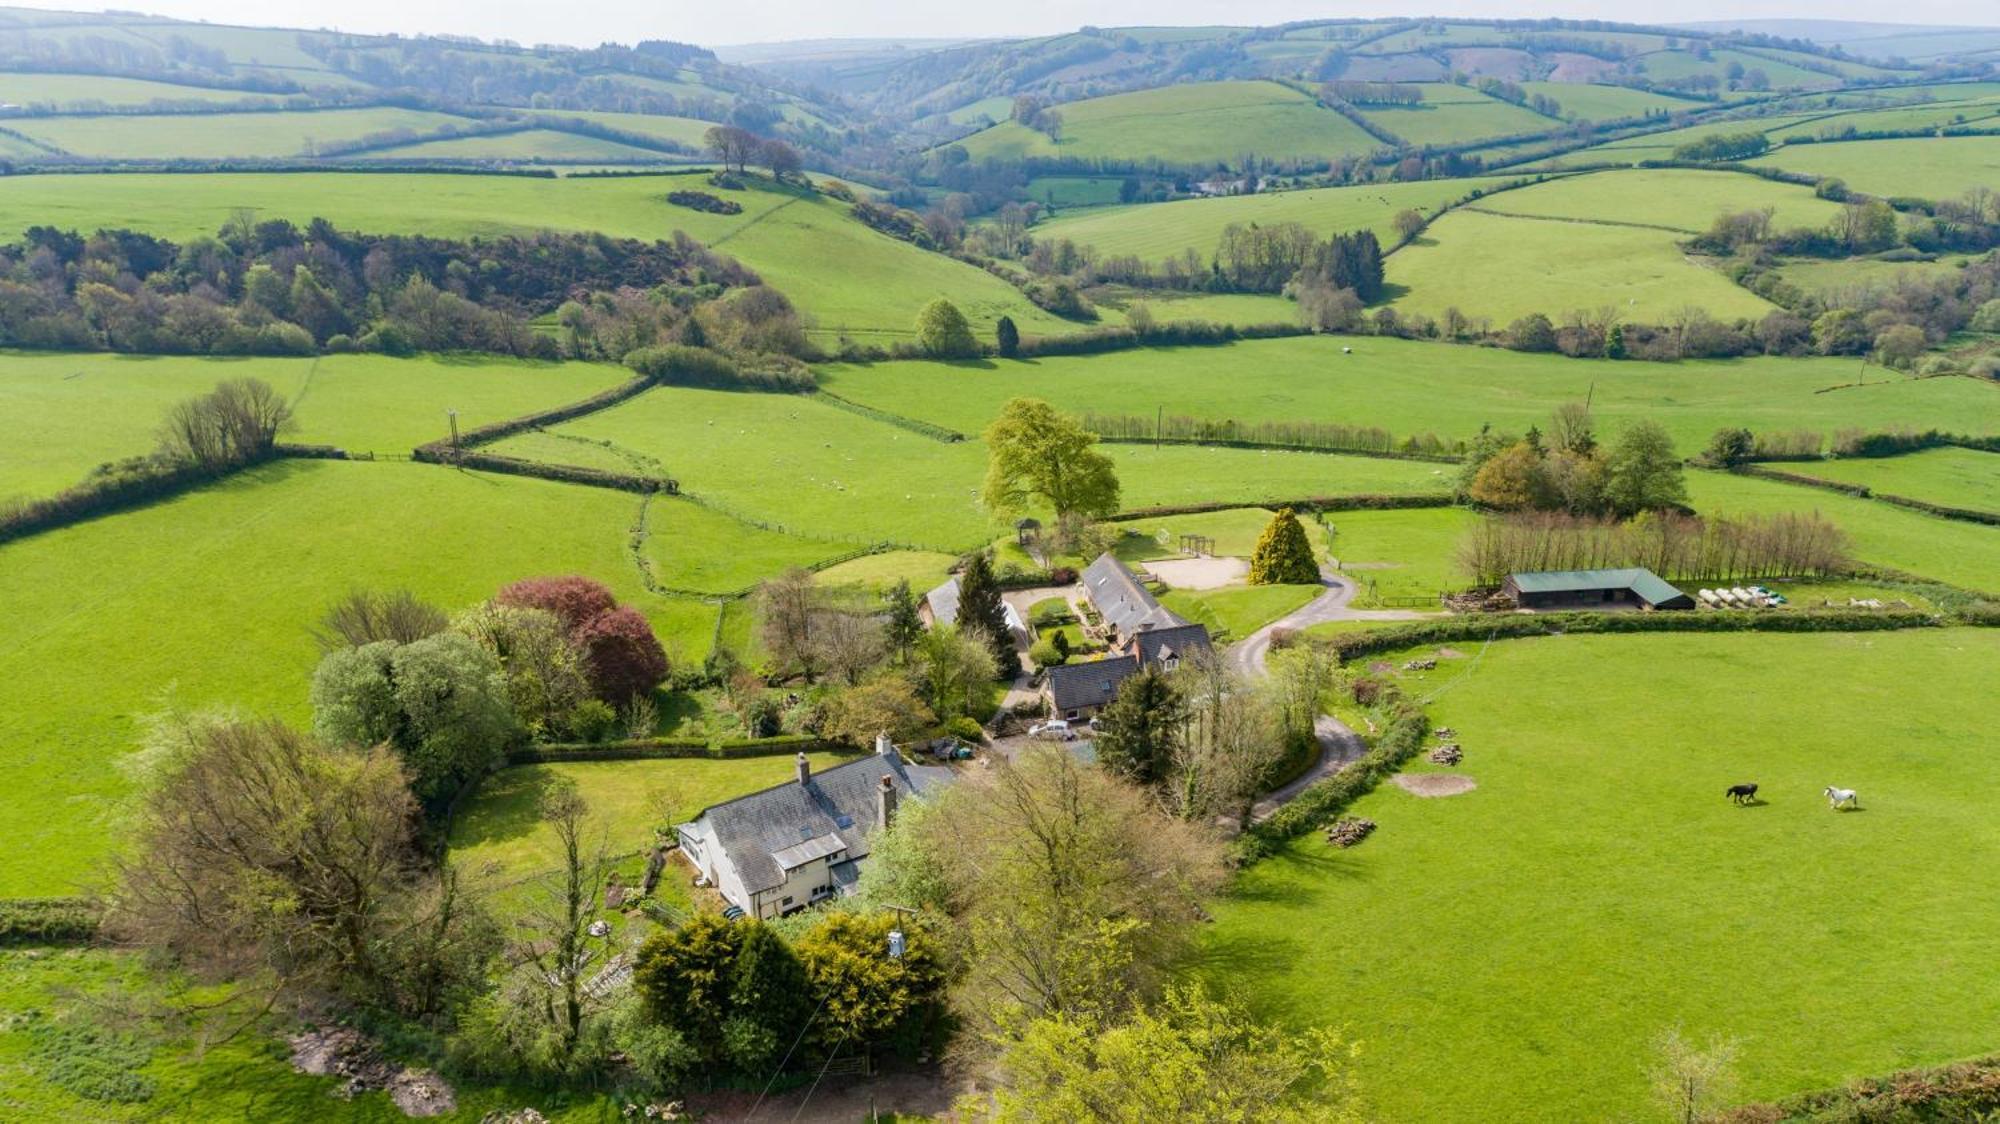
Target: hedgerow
47,921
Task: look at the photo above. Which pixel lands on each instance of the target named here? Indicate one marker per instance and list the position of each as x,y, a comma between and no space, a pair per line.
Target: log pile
1349,830
1420,665
1446,754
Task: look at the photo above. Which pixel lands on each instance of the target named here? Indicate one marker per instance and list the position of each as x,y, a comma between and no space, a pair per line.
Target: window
1172,663
787,901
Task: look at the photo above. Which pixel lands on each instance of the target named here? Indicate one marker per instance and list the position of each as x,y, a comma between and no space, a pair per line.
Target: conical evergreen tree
980,607
1283,556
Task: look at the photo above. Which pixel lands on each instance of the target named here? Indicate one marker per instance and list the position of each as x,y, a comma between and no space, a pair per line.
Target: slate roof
1177,642
1091,683
785,826
1122,599
944,607
1644,584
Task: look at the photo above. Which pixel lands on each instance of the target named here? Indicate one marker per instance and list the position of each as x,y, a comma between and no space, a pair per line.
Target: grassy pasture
1407,387
1396,554
63,414
1667,65
836,270
1978,114
1957,553
65,90
207,599
1927,167
1235,612
213,135
1117,302
1503,267
1604,103
680,130
996,108
1194,123
1828,277
1952,477
1660,145
1512,952
1157,231
1685,199
1454,115
539,145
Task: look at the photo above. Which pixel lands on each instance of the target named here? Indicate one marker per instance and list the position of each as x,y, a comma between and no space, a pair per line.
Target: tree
734,991
1072,892
789,611
885,705
236,423
363,617
1572,429
734,146
943,333
1007,338
1035,452
769,995
441,702
781,158
1643,472
1138,730
958,669
270,858
624,657
867,996
982,610
547,678
1689,1082
1729,447
1511,480
1898,344
901,624
1409,223
1283,555
1228,745
1531,333
1187,1057
1841,331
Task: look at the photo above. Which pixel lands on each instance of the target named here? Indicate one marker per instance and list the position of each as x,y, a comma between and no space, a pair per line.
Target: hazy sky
714,22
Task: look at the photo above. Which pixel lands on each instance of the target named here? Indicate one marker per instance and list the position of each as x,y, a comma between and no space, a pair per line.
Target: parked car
1056,728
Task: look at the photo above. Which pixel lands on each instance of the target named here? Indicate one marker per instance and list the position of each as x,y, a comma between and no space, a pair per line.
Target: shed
1632,586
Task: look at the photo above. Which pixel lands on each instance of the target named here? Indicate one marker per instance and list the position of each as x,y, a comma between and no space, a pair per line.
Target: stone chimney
805,770
883,745
885,802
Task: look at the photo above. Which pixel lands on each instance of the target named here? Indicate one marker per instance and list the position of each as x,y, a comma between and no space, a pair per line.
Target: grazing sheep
1838,798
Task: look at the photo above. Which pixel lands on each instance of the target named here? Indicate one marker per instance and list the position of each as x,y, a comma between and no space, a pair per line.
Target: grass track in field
208,599
1411,387
1194,123
200,136
1951,477
1512,952
836,270
1503,267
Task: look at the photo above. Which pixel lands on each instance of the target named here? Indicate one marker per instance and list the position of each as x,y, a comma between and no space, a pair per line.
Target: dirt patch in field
1450,654
1435,784
1199,573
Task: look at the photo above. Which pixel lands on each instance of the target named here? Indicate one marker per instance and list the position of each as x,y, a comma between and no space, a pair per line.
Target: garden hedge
26,921
1958,1091
1319,803
643,749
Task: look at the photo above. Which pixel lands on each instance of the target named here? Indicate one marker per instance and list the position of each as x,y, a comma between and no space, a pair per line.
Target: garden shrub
965,727
1044,654
47,921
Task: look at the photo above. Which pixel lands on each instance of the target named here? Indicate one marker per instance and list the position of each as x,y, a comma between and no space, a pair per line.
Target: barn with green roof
1633,587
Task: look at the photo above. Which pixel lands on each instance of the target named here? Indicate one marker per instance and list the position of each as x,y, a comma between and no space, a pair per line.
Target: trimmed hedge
1327,450
645,749
922,428
565,473
26,921
437,451
1862,491
1363,502
1508,626
1967,1090
1399,742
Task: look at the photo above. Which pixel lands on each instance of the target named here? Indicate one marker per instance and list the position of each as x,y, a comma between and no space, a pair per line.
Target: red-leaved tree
623,656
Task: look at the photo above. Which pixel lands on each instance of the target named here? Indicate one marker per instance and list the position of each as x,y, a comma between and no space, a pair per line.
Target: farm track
754,221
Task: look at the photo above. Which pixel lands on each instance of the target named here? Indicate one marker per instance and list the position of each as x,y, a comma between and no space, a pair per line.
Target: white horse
1842,798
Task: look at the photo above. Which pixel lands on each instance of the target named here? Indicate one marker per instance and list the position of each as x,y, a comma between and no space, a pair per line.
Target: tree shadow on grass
1241,955
507,806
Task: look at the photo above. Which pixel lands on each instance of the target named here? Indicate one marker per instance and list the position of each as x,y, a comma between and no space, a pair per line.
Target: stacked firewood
1349,830
1420,665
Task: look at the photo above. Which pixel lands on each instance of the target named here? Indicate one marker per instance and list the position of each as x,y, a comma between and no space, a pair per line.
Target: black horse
1742,793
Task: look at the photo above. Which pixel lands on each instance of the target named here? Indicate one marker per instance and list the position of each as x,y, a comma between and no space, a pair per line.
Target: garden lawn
208,600
1926,167
499,835
1400,554
1502,267
1157,231
1946,550
1952,477
1236,612
1201,123
206,136
1512,953
1411,387
840,273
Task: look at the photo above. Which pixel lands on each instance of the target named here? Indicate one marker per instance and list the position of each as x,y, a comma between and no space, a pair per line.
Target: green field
206,599
995,109
1454,115
679,130
1672,197
1605,103
1503,267
839,272
1115,303
1235,612
1512,953
1825,278
1660,145
1951,477
199,136
69,90
1957,553
1400,554
1203,123
1979,115
1156,231
1410,387
541,145
1668,65
821,472
1928,168
63,414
